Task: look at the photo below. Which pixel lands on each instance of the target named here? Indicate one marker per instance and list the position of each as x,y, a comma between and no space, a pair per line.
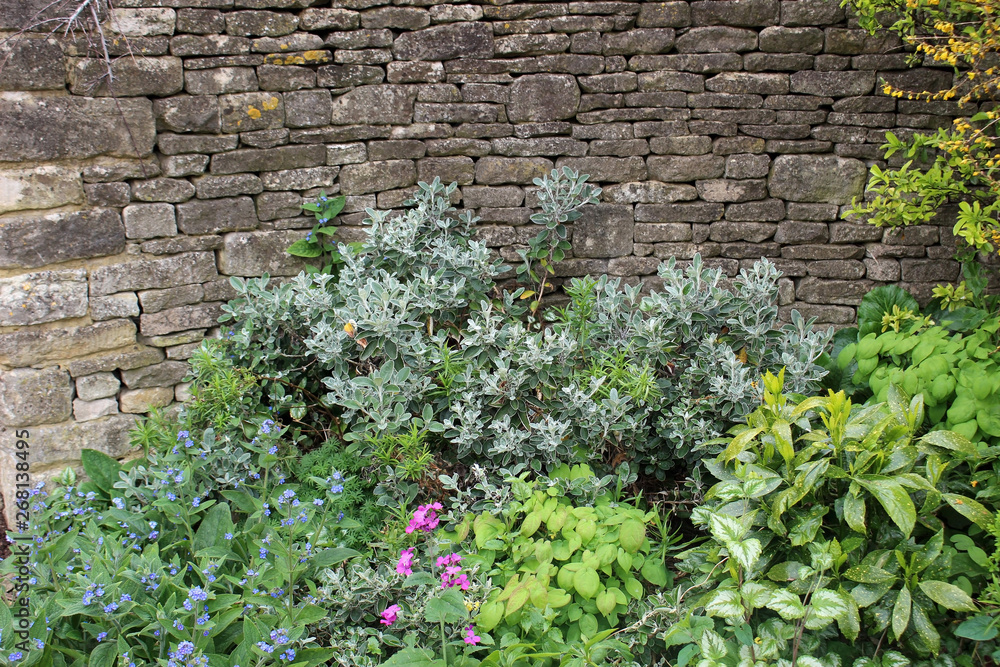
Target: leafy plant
319,241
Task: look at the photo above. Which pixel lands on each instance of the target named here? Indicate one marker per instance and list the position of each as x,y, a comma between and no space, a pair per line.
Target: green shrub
834,534
413,336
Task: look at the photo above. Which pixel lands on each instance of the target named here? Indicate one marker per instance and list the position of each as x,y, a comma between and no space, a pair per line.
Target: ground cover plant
405,456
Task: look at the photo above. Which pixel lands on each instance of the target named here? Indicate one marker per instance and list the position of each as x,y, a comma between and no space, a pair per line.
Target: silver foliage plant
414,332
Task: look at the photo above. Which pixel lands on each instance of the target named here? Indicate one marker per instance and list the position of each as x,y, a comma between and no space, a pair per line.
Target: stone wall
733,128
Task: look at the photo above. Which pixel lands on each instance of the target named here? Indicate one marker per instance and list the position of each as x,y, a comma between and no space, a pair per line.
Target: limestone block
98,385
744,13
114,306
171,190
378,105
543,97
359,179
648,192
41,187
300,179
686,168
260,23
308,108
85,411
181,318
31,241
195,267
316,18
605,230
52,128
29,396
167,373
59,445
153,301
607,169
144,400
30,347
720,39
210,216
255,253
132,77
446,42
188,113
142,22
46,296
126,357
183,165
674,14
269,159
220,80
817,178
31,64
230,185
501,170
243,112
833,84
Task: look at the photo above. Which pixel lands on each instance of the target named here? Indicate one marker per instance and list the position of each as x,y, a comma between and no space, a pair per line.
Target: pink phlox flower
450,559
390,614
424,518
405,563
471,637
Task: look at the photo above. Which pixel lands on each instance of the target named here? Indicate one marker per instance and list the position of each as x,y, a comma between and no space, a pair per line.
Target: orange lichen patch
270,104
253,112
314,57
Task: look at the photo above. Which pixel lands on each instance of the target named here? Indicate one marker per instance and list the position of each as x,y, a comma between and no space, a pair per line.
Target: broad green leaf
100,468
449,607
104,655
950,440
894,499
303,248
654,572
901,612
586,582
854,513
827,604
947,595
213,527
713,647
631,535
978,628
746,552
740,442
925,629
489,616
850,621
787,604
756,595
724,603
726,528
970,509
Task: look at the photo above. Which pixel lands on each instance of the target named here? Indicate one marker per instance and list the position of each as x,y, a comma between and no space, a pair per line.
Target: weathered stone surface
716,40
171,190
145,221
285,77
815,178
686,168
743,83
834,84
648,192
265,138
29,347
114,306
378,105
29,397
31,64
767,210
260,23
210,216
347,76
275,205
780,39
98,385
51,128
129,356
400,18
795,231
603,231
845,292
316,18
446,42
632,42
40,187
85,411
213,187
132,77
255,253
744,13
359,179
729,190
142,22
176,144
692,212
607,169
300,179
165,374
244,112
810,12
181,318
543,97
664,15
142,274
45,296
28,242
107,194
144,400
268,159
56,446
499,170
449,169
183,165
220,80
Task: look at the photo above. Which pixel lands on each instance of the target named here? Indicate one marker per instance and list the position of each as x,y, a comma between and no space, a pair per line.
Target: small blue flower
229,536
102,636
119,503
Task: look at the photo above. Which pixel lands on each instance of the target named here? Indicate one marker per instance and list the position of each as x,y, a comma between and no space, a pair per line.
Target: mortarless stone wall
733,128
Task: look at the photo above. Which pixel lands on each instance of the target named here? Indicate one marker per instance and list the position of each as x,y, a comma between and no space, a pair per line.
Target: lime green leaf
947,595
631,535
586,582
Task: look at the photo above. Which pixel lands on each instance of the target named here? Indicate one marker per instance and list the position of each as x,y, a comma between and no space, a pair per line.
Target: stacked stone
732,128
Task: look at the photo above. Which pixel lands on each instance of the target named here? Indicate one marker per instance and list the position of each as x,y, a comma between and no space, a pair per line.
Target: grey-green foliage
414,332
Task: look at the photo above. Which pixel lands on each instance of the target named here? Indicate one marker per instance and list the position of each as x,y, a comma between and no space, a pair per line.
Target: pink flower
471,637
405,563
425,518
450,559
390,614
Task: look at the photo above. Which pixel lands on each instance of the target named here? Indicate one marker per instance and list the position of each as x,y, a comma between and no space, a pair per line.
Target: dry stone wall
733,128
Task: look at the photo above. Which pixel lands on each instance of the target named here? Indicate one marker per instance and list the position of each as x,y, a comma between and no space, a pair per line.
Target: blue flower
110,607
273,450
119,503
265,647
197,594
229,536
102,636
337,488
266,426
16,655
196,502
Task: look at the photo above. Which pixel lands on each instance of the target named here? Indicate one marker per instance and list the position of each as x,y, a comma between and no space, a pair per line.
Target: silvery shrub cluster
414,331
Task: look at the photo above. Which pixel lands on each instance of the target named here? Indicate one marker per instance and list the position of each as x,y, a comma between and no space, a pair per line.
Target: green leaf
329,557
746,552
901,612
100,468
854,513
448,607
894,500
787,604
978,628
713,647
950,440
878,302
104,655
726,528
586,582
970,509
828,604
303,248
740,442
925,629
213,527
631,535
724,603
947,595
654,572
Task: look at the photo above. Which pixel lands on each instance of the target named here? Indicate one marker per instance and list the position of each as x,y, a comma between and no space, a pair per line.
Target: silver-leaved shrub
414,333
